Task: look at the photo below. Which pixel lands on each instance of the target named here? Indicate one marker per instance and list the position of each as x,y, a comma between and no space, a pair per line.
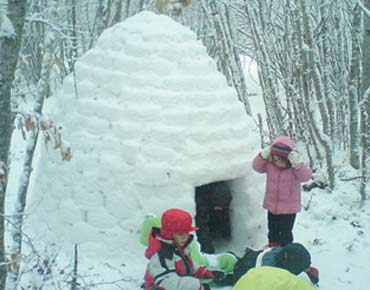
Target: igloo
152,120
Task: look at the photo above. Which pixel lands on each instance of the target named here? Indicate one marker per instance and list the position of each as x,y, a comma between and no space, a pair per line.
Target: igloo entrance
212,214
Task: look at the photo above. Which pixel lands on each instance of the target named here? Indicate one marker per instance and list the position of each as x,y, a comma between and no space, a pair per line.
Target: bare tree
212,20
229,61
41,93
257,17
310,65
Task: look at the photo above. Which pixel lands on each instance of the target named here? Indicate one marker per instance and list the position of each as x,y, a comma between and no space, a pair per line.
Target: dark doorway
212,214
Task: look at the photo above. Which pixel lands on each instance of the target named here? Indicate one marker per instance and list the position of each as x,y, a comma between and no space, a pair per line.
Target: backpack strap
245,263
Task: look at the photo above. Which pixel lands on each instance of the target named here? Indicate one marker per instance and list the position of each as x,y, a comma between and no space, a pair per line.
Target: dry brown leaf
29,123
66,154
14,263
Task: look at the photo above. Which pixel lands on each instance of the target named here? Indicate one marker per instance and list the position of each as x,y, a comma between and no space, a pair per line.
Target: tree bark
354,89
42,92
9,51
365,106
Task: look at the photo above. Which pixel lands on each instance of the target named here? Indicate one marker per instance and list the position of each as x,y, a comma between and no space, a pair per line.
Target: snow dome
152,119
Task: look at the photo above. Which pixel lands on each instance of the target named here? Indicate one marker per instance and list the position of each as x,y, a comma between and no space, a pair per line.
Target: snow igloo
152,120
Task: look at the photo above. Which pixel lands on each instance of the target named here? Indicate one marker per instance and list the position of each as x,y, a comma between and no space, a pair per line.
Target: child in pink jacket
284,173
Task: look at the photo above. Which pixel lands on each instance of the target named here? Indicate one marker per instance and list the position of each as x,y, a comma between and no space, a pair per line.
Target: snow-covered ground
332,225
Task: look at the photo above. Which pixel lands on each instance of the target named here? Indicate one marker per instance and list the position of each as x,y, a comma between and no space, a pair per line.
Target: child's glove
313,274
204,273
294,158
265,152
219,276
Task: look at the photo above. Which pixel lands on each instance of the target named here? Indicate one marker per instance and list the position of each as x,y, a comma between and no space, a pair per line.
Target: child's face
181,239
279,161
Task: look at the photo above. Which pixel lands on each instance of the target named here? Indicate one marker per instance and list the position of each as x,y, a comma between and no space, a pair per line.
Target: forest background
313,62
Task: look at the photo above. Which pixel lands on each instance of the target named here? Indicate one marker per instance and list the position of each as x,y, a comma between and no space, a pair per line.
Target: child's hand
294,158
265,152
219,276
313,274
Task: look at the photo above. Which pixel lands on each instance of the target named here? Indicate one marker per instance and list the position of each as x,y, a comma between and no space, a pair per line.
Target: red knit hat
176,221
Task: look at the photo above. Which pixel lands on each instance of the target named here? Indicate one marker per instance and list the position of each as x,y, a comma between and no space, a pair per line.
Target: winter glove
265,152
294,158
313,274
204,273
219,276
223,279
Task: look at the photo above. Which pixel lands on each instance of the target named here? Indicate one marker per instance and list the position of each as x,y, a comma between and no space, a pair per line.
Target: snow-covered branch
6,26
46,22
364,9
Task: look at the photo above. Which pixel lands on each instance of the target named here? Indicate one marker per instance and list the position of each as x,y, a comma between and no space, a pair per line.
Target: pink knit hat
282,146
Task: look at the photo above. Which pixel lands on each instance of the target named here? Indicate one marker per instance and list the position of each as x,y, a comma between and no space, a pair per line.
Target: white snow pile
152,119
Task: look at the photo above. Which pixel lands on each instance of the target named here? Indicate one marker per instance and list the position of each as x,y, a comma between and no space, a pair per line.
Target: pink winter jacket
283,185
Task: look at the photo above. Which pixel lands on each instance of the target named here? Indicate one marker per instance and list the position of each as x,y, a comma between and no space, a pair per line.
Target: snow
153,119
6,26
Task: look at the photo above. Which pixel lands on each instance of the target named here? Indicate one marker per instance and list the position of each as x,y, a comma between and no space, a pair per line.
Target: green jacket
271,278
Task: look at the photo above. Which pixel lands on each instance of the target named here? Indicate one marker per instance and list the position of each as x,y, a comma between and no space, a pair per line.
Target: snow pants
280,228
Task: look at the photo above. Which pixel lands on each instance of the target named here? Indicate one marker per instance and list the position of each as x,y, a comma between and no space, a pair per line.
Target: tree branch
364,9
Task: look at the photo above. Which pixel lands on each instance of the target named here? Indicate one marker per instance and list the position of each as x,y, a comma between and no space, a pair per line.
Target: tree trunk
327,63
354,89
72,51
9,50
127,8
117,17
43,88
365,105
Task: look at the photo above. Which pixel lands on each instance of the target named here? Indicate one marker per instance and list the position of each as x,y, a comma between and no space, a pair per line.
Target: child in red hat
170,266
285,172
